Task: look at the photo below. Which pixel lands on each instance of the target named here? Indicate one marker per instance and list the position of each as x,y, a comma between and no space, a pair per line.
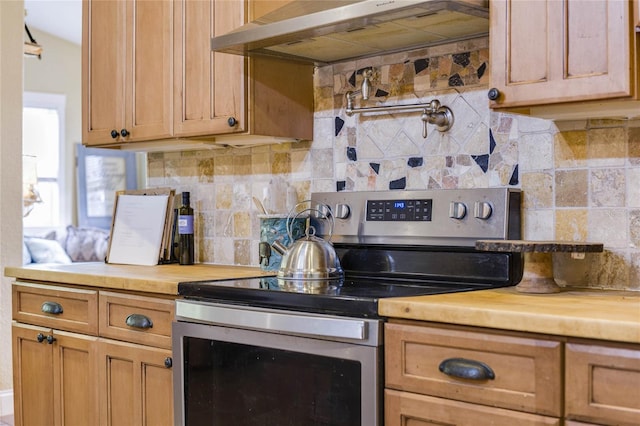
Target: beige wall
59,72
11,30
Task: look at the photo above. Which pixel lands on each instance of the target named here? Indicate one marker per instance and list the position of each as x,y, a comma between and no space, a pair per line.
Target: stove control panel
455,217
399,210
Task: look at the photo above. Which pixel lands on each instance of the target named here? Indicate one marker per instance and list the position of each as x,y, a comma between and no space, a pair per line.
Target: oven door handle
284,322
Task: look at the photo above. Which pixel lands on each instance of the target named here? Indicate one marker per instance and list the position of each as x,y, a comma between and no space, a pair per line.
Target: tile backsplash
580,179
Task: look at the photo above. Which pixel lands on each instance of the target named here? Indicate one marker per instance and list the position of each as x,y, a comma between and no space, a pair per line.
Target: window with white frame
43,139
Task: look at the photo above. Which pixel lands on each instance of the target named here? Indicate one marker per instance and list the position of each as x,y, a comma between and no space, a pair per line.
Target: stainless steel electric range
264,351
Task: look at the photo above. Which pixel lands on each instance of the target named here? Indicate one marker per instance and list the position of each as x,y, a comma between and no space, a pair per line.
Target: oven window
235,384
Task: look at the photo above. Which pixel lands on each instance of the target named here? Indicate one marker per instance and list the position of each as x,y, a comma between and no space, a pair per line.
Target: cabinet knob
139,321
231,121
114,133
51,308
493,94
124,133
40,337
168,362
51,339
466,369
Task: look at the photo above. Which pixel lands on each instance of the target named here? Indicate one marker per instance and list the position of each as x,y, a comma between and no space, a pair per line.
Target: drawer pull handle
139,321
466,369
40,337
51,308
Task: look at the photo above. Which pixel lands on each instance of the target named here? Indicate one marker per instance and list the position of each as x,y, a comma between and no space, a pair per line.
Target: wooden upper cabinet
556,51
208,93
149,75
127,70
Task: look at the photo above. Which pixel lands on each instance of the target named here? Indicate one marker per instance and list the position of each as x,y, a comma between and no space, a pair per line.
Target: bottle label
185,224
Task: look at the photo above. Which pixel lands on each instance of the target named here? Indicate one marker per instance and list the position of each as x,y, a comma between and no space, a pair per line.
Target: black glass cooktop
356,297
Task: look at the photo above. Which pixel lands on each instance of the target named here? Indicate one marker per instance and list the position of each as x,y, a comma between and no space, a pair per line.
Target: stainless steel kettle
310,257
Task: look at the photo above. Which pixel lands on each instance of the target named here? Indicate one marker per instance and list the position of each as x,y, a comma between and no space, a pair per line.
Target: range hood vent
324,32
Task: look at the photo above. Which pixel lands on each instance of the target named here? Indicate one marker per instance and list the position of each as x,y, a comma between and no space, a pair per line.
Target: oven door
250,367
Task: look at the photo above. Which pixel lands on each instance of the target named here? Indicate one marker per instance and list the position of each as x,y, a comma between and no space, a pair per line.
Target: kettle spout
279,247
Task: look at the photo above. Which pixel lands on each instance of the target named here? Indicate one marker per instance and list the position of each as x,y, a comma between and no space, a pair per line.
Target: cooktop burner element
392,244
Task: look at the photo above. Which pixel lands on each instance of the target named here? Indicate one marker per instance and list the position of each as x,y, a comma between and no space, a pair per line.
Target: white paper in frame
138,231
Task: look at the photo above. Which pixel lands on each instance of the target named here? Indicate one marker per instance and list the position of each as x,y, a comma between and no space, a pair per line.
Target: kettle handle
327,216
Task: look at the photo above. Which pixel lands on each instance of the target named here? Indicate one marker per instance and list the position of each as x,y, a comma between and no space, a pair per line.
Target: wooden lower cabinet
54,377
602,383
438,374
116,374
137,381
410,409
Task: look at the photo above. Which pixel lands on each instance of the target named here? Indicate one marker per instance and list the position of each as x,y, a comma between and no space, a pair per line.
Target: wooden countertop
161,279
594,314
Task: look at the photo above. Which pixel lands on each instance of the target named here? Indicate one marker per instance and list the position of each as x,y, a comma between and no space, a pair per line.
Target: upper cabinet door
127,60
553,51
103,54
209,94
149,83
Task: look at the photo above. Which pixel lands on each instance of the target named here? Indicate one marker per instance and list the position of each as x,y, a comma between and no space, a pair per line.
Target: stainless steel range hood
323,32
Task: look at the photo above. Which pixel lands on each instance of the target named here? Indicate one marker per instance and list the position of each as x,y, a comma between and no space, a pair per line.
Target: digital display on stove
399,210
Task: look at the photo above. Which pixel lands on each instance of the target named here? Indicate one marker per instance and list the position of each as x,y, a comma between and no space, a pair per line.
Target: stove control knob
322,211
457,210
342,211
482,210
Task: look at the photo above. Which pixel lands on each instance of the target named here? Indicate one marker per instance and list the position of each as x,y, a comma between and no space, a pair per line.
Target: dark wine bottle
185,231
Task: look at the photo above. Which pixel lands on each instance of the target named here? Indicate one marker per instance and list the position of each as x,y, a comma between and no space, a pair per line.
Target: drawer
62,308
603,383
403,409
136,319
509,371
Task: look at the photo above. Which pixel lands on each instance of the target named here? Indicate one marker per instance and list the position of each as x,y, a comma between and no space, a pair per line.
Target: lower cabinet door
138,384
54,377
405,408
32,376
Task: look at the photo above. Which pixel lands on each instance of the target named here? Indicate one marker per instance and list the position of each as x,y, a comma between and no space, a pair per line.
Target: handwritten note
138,226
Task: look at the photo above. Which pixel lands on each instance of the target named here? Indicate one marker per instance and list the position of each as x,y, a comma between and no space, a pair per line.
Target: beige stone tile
535,151
608,226
612,271
223,165
322,163
538,225
206,250
261,163
537,188
634,146
634,270
633,187
224,196
571,224
570,149
571,188
606,147
223,251
242,252
242,165
205,170
281,162
607,187
634,227
242,224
